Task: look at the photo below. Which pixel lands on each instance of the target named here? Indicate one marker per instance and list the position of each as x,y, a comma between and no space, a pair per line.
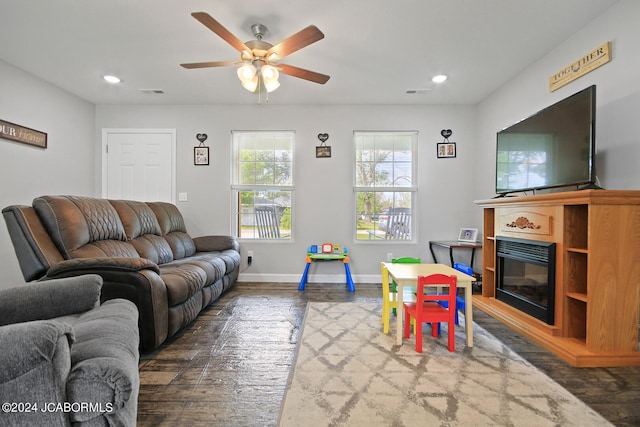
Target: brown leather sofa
141,250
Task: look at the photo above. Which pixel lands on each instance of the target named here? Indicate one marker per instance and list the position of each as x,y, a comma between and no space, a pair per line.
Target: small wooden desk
406,275
455,244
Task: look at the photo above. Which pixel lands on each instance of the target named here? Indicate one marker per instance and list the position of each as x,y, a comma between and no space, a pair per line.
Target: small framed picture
201,156
446,149
468,235
323,151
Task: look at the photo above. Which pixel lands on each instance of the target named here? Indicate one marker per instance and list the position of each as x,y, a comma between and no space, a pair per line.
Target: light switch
182,197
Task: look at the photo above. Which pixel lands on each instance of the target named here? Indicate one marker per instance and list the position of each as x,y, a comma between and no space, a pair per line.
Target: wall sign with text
14,132
589,62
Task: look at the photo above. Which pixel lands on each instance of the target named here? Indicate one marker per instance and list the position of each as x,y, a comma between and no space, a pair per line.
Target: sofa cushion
183,280
83,227
185,277
173,229
142,229
231,259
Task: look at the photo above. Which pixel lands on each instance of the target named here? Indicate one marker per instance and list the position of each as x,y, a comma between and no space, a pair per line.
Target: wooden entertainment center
597,283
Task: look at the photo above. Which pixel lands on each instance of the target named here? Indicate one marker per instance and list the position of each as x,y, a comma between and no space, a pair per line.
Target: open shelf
579,297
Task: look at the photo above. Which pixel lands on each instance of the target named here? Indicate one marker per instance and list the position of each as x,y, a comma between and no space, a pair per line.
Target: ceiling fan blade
301,73
220,30
302,38
209,64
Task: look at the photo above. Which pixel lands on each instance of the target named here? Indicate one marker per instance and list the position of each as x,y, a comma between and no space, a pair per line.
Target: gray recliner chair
65,359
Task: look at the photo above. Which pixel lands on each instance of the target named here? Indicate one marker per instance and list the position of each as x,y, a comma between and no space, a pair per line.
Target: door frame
105,167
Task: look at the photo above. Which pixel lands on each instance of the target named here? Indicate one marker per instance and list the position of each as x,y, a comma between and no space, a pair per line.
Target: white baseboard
313,278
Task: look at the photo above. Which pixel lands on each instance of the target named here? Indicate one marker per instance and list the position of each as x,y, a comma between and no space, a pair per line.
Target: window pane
265,214
384,159
382,215
264,158
402,174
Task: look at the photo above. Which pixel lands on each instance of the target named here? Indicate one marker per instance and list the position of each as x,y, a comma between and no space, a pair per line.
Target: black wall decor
201,152
445,148
323,150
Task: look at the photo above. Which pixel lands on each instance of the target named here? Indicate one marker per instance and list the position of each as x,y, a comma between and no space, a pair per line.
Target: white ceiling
374,50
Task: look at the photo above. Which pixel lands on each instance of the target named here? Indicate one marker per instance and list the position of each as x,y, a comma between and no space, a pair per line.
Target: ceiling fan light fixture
251,85
270,86
269,73
247,72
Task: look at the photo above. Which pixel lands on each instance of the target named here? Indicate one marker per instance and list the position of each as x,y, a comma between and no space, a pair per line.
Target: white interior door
139,164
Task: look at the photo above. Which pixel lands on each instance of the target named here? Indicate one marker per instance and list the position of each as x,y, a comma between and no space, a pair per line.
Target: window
262,184
384,185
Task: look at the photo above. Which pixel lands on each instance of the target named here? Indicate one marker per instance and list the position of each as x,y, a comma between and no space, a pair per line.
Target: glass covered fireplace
526,276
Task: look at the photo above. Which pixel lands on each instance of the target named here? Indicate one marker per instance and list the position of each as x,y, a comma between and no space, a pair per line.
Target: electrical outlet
389,257
249,257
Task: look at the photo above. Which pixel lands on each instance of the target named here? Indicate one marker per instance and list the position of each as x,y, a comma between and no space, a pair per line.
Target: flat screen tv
553,148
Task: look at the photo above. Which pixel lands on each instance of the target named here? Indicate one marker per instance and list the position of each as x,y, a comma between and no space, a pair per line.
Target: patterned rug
348,373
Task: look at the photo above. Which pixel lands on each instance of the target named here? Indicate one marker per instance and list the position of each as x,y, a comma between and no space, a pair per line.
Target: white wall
323,199
65,167
617,99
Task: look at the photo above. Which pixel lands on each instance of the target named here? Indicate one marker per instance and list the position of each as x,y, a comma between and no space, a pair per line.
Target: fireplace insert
526,276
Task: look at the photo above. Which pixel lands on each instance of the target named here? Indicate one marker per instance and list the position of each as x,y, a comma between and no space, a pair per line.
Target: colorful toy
327,252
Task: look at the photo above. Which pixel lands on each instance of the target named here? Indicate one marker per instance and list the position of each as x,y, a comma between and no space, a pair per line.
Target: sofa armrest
135,279
26,345
49,299
36,362
105,363
112,264
215,243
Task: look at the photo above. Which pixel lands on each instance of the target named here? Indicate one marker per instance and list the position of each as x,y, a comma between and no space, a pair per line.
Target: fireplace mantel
597,234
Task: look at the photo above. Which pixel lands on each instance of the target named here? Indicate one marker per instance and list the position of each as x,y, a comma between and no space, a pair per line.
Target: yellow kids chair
390,292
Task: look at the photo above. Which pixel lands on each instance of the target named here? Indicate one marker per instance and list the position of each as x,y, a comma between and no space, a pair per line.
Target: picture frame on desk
468,235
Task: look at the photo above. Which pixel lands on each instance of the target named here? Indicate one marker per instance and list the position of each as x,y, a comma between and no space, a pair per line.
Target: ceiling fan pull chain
267,97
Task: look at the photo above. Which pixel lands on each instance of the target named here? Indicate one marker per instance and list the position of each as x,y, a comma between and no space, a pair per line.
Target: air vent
152,91
417,91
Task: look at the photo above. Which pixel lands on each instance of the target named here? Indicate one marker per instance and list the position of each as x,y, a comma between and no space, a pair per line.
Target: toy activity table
327,252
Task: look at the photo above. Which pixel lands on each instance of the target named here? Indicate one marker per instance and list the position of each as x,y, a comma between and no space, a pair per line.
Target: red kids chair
426,309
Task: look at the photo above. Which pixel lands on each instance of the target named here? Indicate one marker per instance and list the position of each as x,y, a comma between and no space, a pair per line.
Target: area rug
348,373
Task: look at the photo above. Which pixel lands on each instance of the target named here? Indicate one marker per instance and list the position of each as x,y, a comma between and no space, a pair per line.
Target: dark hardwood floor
230,366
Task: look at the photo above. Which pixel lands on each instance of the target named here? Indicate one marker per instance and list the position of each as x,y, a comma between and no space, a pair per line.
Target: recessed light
439,78
111,79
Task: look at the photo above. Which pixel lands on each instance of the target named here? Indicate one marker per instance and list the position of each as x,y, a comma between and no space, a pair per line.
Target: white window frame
375,235
237,138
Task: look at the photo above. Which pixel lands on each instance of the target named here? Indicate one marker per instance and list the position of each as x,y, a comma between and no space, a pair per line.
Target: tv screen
553,148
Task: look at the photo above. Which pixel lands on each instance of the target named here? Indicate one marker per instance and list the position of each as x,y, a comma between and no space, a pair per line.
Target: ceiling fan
258,62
